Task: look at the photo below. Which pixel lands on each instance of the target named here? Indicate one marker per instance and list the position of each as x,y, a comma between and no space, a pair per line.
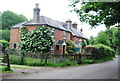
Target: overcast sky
54,9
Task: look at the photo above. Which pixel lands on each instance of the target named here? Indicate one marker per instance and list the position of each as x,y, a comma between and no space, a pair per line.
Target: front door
63,49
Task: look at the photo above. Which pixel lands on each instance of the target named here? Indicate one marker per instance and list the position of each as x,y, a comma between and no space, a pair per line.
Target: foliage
85,43
5,34
96,61
70,46
89,49
101,51
109,38
4,43
10,18
5,69
92,40
38,40
38,62
96,13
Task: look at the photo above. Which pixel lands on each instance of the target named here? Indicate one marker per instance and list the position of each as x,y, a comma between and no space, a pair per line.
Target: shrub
70,46
4,43
100,51
6,69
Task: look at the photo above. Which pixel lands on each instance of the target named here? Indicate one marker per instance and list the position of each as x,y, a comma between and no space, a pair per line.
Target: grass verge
4,69
20,67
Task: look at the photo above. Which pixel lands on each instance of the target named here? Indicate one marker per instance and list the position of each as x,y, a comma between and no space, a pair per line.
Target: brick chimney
36,13
69,22
74,25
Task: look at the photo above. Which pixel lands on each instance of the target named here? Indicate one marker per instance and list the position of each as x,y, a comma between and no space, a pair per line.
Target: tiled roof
53,23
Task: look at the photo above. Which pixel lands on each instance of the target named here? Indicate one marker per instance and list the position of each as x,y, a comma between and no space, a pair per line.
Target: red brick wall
67,36
58,35
14,36
31,27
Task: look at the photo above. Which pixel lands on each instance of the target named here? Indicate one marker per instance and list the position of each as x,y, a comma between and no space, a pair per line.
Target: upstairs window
53,32
64,35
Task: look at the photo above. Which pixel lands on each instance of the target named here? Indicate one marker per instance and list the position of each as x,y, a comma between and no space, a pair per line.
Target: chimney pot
81,30
74,25
69,22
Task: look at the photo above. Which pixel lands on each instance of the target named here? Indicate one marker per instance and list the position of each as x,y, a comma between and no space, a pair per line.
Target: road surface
105,70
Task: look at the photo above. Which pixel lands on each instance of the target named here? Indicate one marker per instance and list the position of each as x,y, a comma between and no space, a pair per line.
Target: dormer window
64,35
53,32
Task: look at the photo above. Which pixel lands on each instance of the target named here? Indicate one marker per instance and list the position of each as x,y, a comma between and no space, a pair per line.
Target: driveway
105,70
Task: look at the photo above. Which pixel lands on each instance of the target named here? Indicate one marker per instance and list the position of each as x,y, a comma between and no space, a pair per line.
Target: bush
70,46
5,34
101,51
6,69
4,43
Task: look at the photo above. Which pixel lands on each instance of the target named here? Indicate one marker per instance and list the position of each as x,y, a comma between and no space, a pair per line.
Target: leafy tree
5,34
70,46
102,38
96,13
10,18
109,38
38,40
92,40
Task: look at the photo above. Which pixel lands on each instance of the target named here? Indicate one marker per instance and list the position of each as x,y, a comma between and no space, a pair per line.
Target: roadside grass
20,67
4,69
96,61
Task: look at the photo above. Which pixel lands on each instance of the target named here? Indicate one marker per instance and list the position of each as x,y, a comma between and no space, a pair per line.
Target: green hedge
4,43
100,51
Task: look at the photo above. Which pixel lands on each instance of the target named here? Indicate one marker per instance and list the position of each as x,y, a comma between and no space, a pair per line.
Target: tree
36,41
3,47
96,13
92,40
5,34
70,46
109,38
10,18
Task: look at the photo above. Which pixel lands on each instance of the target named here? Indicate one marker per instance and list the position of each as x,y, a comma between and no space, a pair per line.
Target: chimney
81,30
36,13
69,22
74,25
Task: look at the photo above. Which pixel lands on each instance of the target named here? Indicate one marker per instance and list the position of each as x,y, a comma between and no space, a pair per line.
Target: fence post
7,58
22,53
79,59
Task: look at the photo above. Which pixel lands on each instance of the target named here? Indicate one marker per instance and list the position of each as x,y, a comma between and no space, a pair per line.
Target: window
64,35
14,45
51,48
53,32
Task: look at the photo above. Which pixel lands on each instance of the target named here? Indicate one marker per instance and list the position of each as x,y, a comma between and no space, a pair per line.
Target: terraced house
61,31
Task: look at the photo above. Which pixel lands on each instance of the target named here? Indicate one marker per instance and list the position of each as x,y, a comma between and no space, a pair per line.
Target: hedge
100,51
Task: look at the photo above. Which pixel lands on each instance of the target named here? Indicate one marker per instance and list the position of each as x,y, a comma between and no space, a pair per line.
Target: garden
95,50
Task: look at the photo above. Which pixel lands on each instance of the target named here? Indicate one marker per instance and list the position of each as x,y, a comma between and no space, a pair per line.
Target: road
105,70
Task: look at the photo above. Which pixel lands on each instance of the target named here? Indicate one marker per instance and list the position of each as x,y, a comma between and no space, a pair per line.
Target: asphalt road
106,70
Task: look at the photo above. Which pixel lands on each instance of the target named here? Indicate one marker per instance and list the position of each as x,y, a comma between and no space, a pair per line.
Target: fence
43,58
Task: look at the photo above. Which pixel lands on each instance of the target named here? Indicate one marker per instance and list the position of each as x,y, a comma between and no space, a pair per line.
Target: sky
54,9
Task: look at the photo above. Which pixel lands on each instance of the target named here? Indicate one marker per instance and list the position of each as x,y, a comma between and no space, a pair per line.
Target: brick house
61,31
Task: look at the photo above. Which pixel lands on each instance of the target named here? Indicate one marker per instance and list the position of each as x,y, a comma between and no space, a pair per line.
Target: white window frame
64,34
53,32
